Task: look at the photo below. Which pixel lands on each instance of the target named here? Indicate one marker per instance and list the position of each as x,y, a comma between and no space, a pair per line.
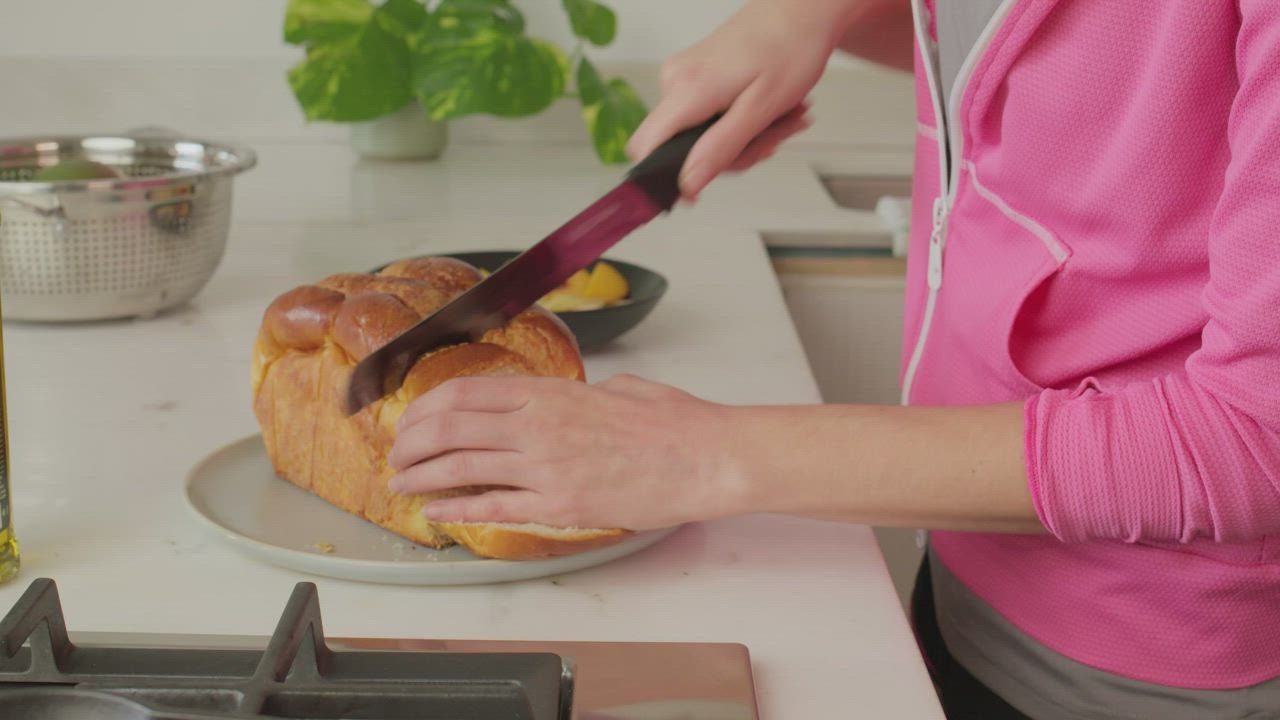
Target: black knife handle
659,173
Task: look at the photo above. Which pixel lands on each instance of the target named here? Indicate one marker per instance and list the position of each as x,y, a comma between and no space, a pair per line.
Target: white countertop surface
107,419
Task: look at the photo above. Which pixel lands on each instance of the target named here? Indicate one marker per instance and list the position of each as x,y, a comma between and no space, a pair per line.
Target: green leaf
362,77
612,111
590,86
493,71
319,21
591,21
455,20
401,17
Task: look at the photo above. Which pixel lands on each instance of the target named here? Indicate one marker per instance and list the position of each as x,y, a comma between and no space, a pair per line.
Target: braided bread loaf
310,339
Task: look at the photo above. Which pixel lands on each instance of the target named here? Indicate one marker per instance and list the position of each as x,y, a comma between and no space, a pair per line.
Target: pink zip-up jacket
1104,247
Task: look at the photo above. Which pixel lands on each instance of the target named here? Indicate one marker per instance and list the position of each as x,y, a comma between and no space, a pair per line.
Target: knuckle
617,382
633,384
538,425
456,392
529,428
457,466
492,505
776,96
771,86
541,404
673,393
565,505
679,70
441,430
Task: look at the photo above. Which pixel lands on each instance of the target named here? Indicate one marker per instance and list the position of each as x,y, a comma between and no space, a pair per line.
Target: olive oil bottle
8,542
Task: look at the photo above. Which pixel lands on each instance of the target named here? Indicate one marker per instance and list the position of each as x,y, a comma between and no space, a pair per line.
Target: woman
1091,369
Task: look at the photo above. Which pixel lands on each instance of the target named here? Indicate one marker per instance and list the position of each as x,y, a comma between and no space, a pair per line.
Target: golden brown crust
523,542
309,341
368,321
472,359
301,318
541,336
416,294
447,275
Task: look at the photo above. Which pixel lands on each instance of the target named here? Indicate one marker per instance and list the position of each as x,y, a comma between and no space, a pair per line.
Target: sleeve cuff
1103,466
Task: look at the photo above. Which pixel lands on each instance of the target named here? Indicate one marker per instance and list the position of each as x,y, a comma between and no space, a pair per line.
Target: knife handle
658,175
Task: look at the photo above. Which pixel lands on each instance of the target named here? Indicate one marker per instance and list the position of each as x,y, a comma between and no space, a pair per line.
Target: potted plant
397,71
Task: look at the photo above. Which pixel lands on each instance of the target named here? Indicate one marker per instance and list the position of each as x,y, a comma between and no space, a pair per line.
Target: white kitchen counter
107,419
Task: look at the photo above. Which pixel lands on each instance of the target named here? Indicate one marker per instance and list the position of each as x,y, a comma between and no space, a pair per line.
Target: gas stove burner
61,704
44,676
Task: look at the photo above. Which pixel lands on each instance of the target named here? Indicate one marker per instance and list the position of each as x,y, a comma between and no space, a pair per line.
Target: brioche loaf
310,339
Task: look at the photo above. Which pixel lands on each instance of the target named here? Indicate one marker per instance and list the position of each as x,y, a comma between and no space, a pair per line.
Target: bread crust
312,336
521,542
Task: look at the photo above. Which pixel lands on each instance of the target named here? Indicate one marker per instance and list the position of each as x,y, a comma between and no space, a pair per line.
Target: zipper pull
937,238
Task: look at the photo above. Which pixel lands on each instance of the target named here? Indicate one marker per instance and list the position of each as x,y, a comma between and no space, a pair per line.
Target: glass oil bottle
9,561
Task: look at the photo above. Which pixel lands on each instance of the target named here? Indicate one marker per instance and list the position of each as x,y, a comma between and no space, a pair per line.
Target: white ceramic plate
236,493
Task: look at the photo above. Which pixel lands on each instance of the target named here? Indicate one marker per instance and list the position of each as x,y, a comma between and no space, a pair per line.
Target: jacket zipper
949,162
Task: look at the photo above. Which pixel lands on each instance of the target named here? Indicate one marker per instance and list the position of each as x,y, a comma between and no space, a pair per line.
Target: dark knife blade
650,189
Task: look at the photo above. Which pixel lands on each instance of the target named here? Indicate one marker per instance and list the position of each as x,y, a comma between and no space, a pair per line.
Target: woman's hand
625,453
757,68
634,454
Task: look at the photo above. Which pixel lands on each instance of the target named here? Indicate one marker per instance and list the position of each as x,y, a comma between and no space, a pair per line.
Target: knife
650,189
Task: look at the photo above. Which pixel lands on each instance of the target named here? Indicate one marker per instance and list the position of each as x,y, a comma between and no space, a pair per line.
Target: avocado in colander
75,169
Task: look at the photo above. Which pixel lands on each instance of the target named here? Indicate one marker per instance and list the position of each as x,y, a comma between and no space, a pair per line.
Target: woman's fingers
442,432
455,469
753,111
755,68
767,142
625,453
671,117
683,108
475,394
505,506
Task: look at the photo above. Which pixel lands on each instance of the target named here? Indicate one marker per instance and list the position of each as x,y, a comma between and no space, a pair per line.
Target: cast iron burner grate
44,676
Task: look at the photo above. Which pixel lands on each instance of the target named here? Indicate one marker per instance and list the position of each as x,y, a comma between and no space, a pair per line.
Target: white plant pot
407,134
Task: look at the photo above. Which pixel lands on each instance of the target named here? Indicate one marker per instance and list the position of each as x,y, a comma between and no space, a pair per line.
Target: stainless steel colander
113,248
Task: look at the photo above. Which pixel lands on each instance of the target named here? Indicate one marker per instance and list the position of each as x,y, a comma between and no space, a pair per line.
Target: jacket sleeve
1194,454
